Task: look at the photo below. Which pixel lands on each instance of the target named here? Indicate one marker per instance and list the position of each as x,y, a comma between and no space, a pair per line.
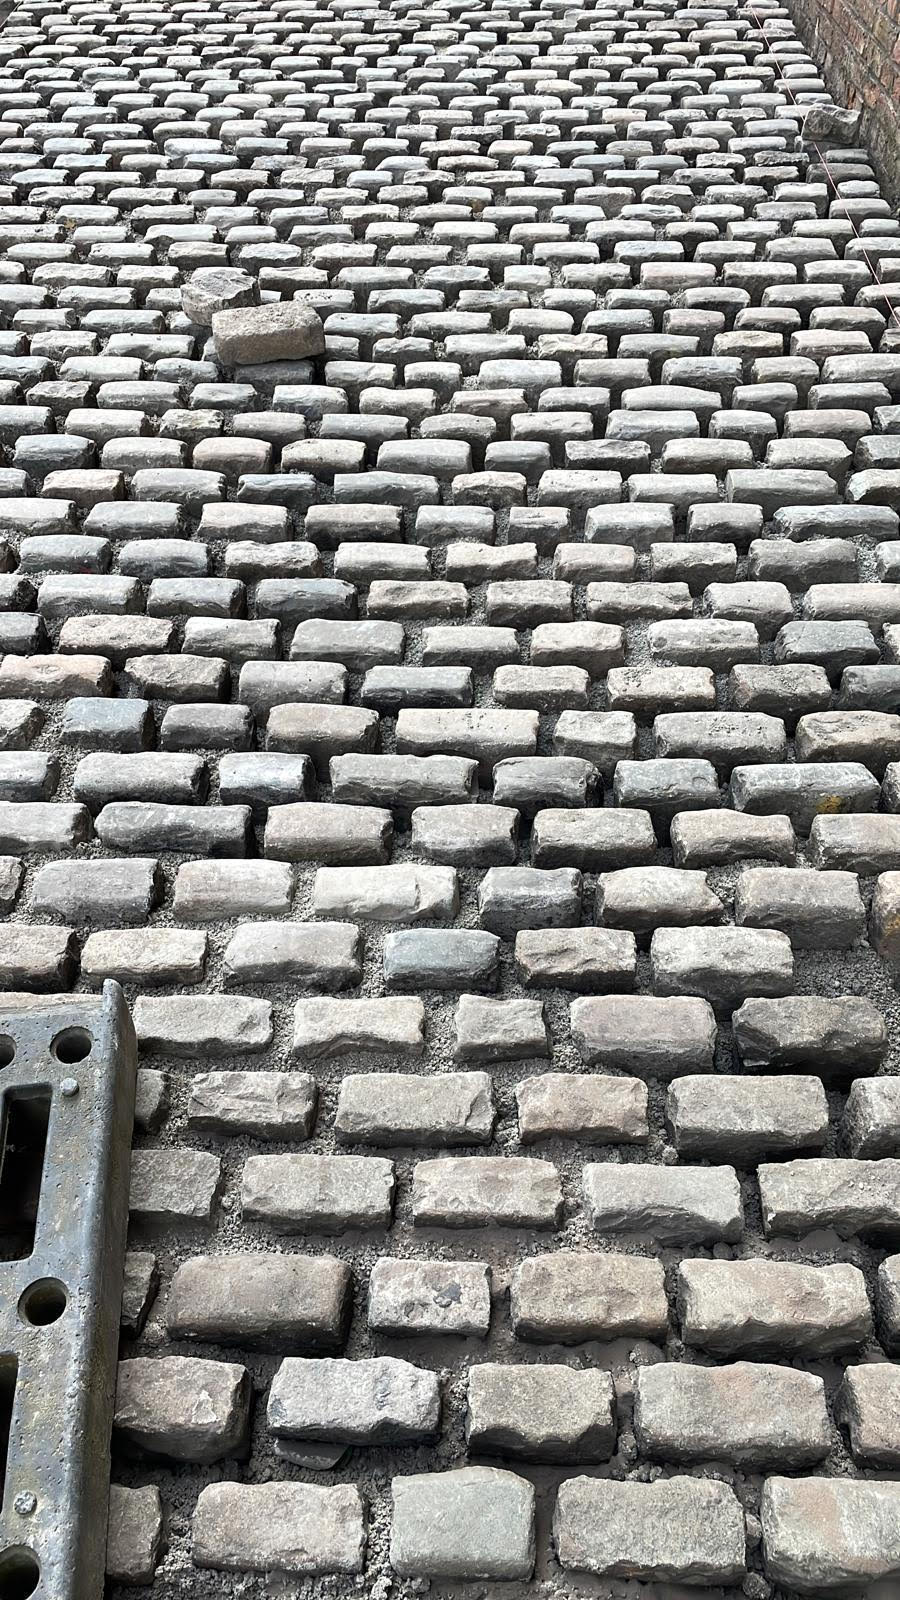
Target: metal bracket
67,1084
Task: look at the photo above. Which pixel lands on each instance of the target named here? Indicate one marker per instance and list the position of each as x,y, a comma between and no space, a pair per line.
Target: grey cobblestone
449,624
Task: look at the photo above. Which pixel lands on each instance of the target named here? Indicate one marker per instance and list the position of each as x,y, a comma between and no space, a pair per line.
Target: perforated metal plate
67,1086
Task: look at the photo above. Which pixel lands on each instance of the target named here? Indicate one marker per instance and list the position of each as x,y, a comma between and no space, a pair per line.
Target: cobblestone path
450,676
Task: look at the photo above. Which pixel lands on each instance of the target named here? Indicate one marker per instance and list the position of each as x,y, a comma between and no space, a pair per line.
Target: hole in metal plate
73,1044
20,1573
43,1302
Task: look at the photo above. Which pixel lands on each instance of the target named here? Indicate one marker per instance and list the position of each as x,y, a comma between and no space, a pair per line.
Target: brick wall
857,43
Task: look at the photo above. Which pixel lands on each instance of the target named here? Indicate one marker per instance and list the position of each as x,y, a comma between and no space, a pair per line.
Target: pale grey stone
174,1186
318,1194
324,1028
596,1108
364,1402
500,1030
868,1406
510,898
134,1535
261,1299
295,1529
389,1108
267,1105
191,1025
588,960
721,965
540,1413
671,1205
468,1523
649,1035
837,1037
38,958
887,1300
285,331
486,1192
644,898
744,1119
817,910
573,1295
402,893
760,1307
717,838
676,1530
318,831
842,1194
430,1297
139,1289
871,1120
319,955
215,891
151,956
212,289
466,835
830,1535
182,1407
749,1414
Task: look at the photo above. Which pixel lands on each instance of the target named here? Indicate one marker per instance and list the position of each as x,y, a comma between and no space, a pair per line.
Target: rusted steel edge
55,1502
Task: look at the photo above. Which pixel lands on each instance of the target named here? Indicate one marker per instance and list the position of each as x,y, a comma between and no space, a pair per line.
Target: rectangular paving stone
317,830
261,1300
649,1035
835,1037
684,1530
512,898
150,956
574,1295
401,893
38,958
266,1105
499,1030
753,1415
105,893
467,1523
389,1108
325,1028
295,1529
761,1307
746,1118
540,1413
213,891
191,1025
486,1191
182,1407
318,1194
671,1205
852,1197
871,1120
828,1535
721,965
594,1107
586,960
135,1533
466,835
172,1186
374,1401
315,955
441,958
429,1297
